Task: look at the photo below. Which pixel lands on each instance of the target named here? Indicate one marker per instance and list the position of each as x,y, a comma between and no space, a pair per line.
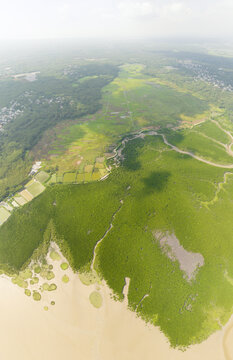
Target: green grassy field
42,176
132,101
204,147
69,177
212,130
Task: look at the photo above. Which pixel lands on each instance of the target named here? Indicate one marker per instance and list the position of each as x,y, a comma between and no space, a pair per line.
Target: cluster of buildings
14,109
55,100
17,107
10,113
35,168
202,73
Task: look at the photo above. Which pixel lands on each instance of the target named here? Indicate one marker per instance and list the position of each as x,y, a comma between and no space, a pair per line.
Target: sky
46,19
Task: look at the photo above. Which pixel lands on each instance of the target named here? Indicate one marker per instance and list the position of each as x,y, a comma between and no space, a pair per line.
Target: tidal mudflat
71,327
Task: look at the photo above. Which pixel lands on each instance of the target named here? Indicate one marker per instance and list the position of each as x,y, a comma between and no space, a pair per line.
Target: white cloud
132,9
63,9
119,18
175,8
150,9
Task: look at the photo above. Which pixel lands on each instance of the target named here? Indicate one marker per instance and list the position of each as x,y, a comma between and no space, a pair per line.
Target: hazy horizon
115,19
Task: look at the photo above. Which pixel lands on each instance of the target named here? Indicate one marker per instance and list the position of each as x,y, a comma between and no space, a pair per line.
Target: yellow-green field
4,215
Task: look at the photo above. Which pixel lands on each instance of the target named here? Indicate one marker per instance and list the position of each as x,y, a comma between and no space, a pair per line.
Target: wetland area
116,210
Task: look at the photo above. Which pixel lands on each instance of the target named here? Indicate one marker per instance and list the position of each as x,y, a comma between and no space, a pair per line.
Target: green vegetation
45,286
45,273
41,210
42,176
162,190
49,287
27,292
132,101
96,299
26,274
210,129
64,266
55,256
18,280
4,215
65,279
69,177
34,280
36,296
50,275
52,287
88,278
43,104
191,141
37,269
36,188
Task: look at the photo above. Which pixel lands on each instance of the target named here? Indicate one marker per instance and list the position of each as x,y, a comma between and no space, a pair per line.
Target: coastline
75,329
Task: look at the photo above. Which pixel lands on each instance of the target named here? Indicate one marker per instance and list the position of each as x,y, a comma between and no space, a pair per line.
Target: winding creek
119,156
105,234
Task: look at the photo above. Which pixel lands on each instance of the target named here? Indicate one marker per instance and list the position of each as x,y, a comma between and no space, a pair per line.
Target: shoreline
76,330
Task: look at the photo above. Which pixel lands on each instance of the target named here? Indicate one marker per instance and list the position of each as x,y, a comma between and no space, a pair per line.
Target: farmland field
20,200
4,215
35,189
69,177
42,176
